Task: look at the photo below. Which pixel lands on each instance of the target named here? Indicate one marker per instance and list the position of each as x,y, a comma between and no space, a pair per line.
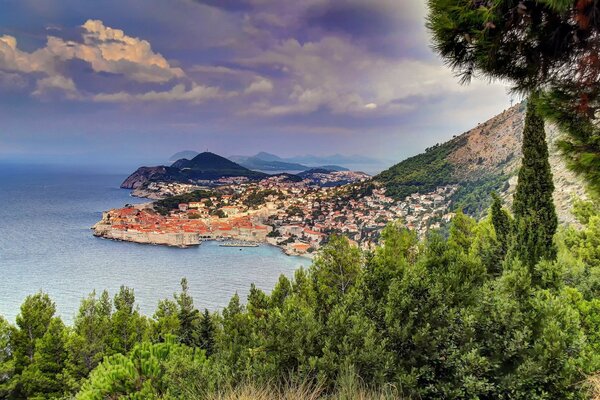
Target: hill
479,161
188,154
255,162
204,166
264,161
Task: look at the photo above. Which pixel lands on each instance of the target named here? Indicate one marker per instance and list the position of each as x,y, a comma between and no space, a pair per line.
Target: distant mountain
264,161
264,165
479,161
204,166
332,159
188,154
333,168
267,156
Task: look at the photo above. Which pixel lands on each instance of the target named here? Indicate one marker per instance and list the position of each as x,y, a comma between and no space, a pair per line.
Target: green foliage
163,206
140,375
7,366
533,206
128,326
89,340
579,251
503,225
44,377
257,198
573,109
188,316
36,314
166,320
206,333
422,173
334,272
439,318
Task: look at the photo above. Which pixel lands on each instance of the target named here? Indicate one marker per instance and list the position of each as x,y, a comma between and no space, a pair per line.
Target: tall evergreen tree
90,339
501,221
207,333
44,377
188,316
533,206
128,326
36,314
165,320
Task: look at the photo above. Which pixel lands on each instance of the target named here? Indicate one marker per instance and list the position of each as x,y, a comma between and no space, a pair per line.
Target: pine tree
165,320
44,377
533,206
36,314
207,333
127,324
461,231
90,339
188,316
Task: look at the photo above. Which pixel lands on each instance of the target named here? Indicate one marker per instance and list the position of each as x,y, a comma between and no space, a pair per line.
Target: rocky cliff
484,159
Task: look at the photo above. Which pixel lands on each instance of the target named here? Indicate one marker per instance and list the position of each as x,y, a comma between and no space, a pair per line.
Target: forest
455,317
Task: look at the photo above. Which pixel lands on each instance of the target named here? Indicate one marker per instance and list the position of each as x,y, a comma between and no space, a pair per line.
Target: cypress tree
207,333
502,225
533,205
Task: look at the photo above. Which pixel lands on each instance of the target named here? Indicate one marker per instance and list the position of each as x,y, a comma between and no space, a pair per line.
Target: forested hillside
480,161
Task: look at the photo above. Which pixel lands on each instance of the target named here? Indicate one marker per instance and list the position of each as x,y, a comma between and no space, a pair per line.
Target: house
300,248
313,236
230,210
195,204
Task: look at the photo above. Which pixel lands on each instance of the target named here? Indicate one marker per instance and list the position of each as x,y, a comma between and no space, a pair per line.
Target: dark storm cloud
357,19
229,5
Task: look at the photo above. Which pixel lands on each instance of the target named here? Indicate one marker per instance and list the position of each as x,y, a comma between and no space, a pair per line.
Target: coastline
308,256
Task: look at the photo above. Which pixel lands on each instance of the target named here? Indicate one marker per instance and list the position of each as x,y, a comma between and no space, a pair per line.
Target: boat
239,244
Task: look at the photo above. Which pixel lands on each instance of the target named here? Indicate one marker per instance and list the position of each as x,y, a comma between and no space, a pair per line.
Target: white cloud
56,83
260,85
111,50
104,48
14,60
345,78
196,94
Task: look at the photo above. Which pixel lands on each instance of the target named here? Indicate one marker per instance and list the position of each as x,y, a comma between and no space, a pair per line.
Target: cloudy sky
132,81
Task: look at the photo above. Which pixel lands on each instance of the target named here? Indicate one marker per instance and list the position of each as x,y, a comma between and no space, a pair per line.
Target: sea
46,244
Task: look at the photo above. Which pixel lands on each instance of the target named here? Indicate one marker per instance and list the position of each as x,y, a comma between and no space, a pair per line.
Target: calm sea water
46,244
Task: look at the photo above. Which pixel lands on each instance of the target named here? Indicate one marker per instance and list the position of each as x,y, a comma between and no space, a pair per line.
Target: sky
130,82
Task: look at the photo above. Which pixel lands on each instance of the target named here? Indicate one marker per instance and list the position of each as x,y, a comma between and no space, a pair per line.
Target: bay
46,244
